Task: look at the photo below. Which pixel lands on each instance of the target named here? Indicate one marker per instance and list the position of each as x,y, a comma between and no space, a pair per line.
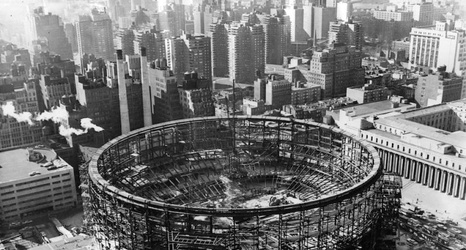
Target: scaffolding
242,183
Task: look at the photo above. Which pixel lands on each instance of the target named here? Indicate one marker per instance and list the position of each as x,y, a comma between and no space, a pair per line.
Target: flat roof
79,242
457,138
375,108
15,164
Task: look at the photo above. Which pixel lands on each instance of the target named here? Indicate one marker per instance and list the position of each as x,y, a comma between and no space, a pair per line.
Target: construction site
239,183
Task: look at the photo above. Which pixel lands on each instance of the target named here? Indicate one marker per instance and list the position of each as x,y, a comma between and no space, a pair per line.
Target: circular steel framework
237,183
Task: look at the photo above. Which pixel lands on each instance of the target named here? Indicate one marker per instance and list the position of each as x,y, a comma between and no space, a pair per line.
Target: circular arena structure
236,183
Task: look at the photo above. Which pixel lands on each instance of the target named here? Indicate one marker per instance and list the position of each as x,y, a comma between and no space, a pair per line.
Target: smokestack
146,98
124,110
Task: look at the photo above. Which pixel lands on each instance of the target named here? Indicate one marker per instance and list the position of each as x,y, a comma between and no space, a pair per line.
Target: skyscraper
277,38
347,33
154,42
344,10
335,69
48,27
246,47
219,36
189,53
296,16
125,41
163,91
95,35
322,18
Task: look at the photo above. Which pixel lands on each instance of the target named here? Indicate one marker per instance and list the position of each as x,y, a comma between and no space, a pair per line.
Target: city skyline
228,124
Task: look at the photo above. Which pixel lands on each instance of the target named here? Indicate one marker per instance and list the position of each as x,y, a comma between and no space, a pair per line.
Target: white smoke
58,115
87,124
9,110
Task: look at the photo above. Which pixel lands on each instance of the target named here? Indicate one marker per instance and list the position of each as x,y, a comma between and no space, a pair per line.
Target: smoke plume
58,115
87,124
9,110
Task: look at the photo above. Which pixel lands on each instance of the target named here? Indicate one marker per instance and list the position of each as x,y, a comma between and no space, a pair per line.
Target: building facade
34,182
48,27
95,35
246,51
335,69
347,33
437,88
188,53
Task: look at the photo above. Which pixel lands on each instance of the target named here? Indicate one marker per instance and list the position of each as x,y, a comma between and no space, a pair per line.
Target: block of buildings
34,182
335,69
246,51
438,87
435,46
277,92
255,107
41,25
13,133
94,35
188,53
302,93
347,33
367,93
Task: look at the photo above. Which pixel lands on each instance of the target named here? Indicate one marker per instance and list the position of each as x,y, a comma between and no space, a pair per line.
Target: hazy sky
13,12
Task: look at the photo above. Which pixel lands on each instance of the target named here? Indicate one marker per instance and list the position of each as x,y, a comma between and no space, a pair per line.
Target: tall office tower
163,92
196,96
277,38
25,99
219,48
48,27
438,88
188,53
423,13
330,3
95,35
322,18
308,19
198,17
153,41
344,10
173,19
246,51
70,31
125,41
347,33
434,46
167,21
296,16
335,69
129,90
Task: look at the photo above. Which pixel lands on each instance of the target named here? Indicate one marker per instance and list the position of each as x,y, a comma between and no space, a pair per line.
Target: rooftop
457,139
376,108
79,242
15,164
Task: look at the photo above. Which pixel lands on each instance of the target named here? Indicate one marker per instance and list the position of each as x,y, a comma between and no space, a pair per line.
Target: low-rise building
33,182
302,93
367,93
255,107
437,88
